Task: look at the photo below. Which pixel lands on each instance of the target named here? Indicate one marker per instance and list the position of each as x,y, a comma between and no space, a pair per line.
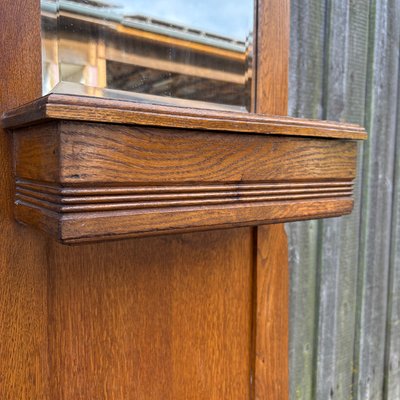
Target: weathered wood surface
338,274
305,97
376,201
345,273
392,372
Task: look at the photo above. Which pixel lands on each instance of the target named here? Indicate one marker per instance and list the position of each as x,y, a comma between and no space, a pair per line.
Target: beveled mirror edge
91,109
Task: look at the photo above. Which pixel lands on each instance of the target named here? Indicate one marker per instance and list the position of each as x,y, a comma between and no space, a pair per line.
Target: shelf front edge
90,109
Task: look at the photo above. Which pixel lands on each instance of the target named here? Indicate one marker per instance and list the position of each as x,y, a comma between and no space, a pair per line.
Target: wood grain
345,26
104,321
392,360
151,319
105,154
346,264
23,264
155,318
306,98
378,180
272,57
92,181
79,199
67,107
111,225
271,270
271,316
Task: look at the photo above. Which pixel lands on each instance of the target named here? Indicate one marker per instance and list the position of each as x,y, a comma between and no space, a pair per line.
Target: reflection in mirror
181,52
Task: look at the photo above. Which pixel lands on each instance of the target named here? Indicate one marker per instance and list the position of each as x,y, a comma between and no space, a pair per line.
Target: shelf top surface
91,109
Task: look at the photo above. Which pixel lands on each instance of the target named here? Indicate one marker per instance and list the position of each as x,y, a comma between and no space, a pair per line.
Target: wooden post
271,320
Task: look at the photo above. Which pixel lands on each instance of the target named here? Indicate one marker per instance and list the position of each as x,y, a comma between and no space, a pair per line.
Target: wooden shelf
92,169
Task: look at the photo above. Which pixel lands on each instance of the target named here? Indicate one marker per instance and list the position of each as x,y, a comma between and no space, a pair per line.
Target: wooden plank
272,62
271,317
382,98
337,289
23,275
271,288
303,248
305,100
89,109
345,77
392,358
149,319
101,154
112,225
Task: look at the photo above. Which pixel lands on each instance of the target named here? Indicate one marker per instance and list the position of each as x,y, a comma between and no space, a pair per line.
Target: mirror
181,52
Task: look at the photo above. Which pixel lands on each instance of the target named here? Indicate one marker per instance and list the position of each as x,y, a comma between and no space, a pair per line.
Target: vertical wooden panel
305,100
158,318
356,37
23,282
303,247
344,99
273,57
271,364
271,318
392,359
382,96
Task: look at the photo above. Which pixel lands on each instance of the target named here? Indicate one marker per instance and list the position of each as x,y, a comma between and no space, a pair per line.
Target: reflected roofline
145,23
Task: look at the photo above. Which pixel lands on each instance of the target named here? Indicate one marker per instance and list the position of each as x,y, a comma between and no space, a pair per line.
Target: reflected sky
232,18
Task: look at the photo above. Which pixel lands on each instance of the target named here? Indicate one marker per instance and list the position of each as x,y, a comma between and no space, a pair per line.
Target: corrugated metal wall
345,272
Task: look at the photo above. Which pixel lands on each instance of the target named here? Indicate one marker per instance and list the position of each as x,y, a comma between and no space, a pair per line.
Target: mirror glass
188,53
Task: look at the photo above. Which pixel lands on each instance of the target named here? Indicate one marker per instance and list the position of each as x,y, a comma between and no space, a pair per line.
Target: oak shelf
91,169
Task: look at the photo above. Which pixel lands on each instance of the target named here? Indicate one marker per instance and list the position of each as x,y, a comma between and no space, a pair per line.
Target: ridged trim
96,199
